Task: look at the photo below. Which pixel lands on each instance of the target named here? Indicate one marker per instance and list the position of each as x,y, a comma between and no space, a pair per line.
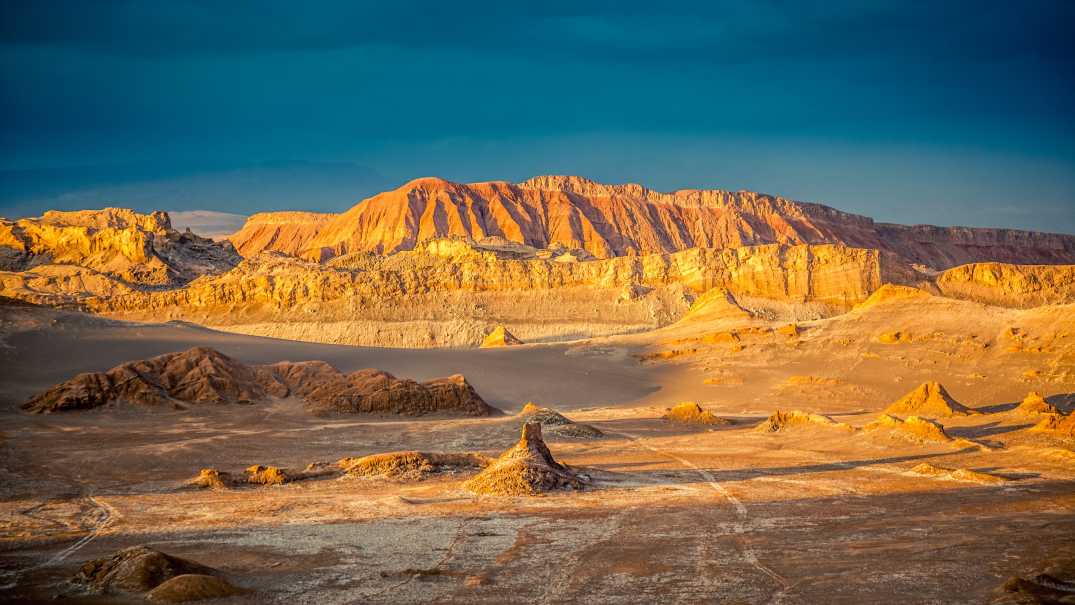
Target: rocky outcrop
929,399
556,423
135,570
690,412
1007,285
1056,425
1034,404
193,587
196,376
622,220
202,376
139,249
411,465
524,470
327,390
912,429
780,421
500,337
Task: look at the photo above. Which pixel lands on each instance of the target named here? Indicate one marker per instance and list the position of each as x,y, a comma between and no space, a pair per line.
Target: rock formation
211,478
1034,404
139,249
781,421
689,412
929,399
1008,285
411,465
912,429
135,570
500,337
196,376
620,220
326,389
416,299
1054,425
556,423
526,469
193,587
205,376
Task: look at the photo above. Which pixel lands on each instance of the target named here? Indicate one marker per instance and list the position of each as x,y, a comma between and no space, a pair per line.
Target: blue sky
943,112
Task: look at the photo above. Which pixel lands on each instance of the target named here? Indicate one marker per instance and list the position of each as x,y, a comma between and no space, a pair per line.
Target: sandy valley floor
675,513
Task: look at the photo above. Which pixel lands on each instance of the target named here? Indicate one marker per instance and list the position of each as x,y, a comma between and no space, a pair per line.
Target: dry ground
675,514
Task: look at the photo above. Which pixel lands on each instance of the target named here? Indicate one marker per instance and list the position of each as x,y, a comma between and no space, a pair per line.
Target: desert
483,303
484,421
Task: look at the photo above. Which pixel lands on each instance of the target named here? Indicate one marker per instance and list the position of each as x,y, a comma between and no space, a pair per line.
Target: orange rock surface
617,220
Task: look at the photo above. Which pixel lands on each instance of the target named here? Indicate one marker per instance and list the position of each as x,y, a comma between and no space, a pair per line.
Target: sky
913,112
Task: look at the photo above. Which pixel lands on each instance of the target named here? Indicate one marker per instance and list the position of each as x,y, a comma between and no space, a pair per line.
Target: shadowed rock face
526,469
619,220
135,570
206,376
326,390
193,587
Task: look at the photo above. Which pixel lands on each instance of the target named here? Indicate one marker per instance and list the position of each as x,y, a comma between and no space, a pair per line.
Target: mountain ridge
626,220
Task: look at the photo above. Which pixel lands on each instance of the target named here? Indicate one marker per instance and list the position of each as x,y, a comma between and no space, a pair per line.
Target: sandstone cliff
139,249
448,295
1010,285
623,220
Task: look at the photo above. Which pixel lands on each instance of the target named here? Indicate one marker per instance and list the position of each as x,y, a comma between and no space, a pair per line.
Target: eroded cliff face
287,232
448,293
138,249
622,220
1005,285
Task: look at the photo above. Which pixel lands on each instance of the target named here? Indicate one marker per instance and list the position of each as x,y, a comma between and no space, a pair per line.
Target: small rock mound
526,469
267,475
1034,404
691,413
411,465
956,474
210,478
781,421
557,423
913,428
136,570
500,337
193,587
1056,425
930,399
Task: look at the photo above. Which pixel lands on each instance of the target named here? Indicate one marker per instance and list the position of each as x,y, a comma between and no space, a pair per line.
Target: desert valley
551,391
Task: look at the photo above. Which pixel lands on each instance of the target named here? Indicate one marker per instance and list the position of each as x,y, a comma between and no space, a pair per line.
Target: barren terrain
672,511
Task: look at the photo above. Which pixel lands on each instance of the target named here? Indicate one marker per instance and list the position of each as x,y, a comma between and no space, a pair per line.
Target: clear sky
939,112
